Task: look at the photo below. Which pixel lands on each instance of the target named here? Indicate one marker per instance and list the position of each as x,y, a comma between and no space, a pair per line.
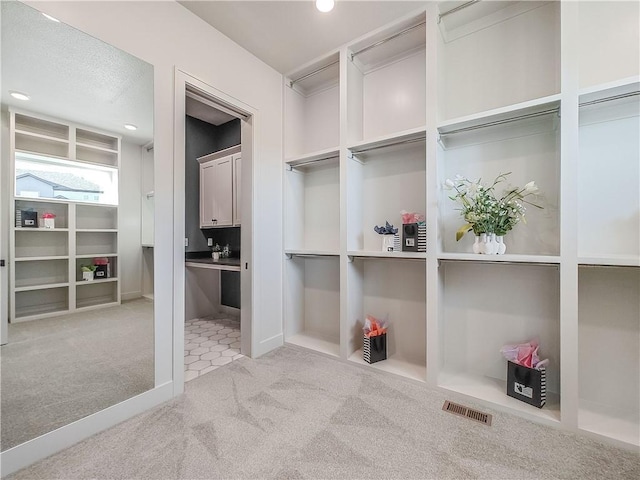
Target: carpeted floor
295,414
60,369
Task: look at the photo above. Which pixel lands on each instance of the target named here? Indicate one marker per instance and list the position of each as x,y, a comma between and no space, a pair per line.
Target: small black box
374,349
527,384
102,271
410,237
29,218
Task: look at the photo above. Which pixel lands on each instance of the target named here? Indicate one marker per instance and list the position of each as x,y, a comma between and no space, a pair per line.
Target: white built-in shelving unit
548,91
46,278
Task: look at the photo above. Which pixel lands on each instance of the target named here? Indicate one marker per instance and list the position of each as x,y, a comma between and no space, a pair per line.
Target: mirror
78,226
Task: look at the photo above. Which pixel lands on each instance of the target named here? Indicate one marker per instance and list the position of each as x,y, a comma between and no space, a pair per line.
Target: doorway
213,160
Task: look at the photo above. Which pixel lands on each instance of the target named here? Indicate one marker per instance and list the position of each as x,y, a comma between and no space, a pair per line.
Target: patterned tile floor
210,343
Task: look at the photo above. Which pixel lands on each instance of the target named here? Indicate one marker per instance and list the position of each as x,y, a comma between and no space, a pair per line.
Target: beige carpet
294,414
60,369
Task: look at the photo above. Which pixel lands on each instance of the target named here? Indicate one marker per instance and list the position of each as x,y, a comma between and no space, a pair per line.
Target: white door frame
248,124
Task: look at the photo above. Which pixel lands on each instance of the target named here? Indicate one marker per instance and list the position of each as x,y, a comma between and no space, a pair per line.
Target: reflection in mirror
78,192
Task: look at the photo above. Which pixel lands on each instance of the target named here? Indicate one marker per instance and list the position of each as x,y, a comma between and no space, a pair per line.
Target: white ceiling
288,34
73,76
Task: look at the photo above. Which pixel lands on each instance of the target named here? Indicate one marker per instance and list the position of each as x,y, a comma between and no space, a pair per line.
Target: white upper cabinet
217,188
237,189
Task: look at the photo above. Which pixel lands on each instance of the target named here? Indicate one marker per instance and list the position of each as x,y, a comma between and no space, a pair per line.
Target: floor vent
463,411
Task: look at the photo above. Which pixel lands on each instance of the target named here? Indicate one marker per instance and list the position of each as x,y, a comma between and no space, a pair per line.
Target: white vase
215,256
492,245
387,243
502,248
87,276
483,243
476,245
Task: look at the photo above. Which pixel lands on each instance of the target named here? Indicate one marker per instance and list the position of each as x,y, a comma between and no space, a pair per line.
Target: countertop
229,264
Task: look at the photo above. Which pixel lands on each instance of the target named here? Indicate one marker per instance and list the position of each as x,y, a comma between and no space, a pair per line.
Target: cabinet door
237,188
223,192
207,188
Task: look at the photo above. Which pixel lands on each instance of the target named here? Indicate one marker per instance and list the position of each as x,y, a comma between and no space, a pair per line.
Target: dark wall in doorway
202,139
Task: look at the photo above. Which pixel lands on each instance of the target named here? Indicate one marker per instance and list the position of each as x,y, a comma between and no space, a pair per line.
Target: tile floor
210,343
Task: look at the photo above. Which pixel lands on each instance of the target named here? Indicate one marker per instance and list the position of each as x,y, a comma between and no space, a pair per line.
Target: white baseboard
130,295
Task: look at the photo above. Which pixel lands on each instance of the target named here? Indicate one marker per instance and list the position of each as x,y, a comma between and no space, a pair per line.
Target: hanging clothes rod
502,122
491,262
318,160
314,255
355,151
311,74
609,99
457,9
385,40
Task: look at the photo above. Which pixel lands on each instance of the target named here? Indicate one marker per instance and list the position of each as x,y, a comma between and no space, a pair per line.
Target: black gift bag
374,349
29,218
527,384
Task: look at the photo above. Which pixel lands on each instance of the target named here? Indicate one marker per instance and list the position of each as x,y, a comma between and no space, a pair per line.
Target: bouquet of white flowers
483,212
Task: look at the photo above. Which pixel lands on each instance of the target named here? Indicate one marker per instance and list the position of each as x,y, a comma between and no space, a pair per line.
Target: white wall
168,36
130,253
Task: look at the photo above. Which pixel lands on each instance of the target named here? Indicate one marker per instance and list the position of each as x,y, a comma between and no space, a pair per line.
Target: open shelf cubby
41,302
41,243
609,351
381,183
96,243
96,217
386,81
96,293
40,273
524,142
486,306
312,192
88,260
312,310
312,106
608,222
494,54
59,209
392,289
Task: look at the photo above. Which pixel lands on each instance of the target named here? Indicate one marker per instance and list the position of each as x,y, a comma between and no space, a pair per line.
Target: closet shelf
392,255
41,136
96,281
508,258
28,229
41,287
610,260
96,230
311,253
94,255
499,115
37,259
313,158
315,342
391,140
96,148
393,365
609,89
613,423
493,390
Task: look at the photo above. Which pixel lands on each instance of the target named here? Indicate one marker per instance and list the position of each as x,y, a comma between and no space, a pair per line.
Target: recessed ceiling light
129,126
51,18
325,5
20,95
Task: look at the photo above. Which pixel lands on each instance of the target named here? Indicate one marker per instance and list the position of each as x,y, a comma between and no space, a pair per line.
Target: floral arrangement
485,212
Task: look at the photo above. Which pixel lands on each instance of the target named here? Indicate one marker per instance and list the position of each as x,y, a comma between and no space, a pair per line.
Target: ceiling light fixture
129,126
20,95
50,17
325,5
